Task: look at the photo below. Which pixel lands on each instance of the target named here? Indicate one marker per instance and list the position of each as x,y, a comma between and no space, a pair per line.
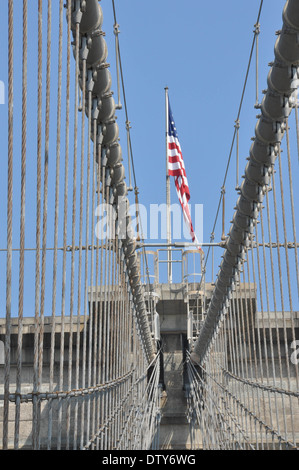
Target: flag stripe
176,168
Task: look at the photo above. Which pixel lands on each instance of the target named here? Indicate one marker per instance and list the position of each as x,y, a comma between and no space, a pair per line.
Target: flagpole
168,215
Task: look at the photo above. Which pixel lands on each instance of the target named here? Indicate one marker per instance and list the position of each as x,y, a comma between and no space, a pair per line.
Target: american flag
176,168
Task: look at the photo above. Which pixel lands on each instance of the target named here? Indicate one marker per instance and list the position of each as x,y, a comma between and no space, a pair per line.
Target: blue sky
200,50
201,53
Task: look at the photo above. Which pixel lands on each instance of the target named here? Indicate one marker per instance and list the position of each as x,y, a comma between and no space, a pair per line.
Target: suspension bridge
100,347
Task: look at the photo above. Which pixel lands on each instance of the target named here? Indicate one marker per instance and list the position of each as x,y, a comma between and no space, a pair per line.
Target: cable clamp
257,28
90,81
116,29
78,12
84,48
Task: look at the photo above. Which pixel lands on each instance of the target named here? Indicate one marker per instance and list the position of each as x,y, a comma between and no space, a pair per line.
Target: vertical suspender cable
38,222
22,225
257,32
9,225
58,143
269,131
235,129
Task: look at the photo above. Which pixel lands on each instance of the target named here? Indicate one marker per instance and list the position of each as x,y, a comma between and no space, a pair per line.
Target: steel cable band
283,81
93,52
115,411
238,402
27,397
267,388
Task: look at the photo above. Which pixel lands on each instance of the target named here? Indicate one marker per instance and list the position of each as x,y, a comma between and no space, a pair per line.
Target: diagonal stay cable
129,136
235,249
235,128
